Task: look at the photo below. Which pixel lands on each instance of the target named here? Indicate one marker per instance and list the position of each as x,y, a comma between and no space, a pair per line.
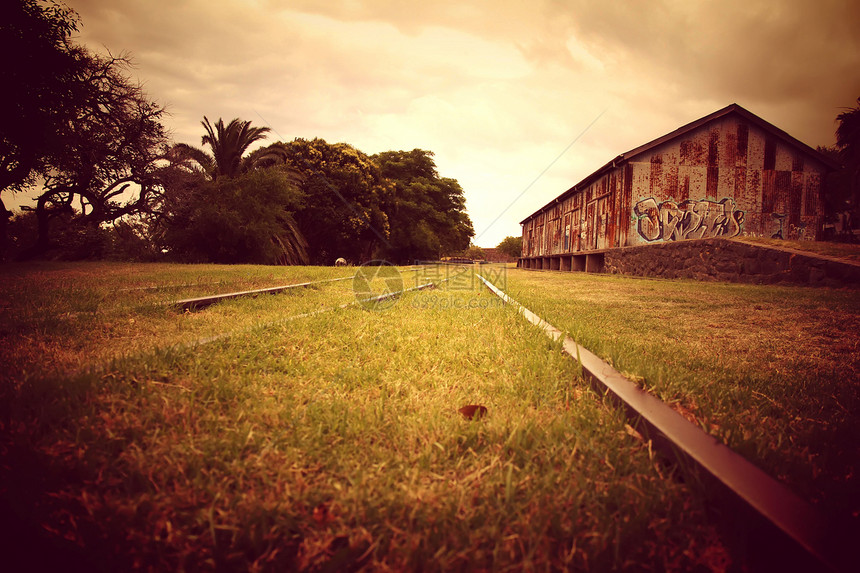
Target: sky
518,100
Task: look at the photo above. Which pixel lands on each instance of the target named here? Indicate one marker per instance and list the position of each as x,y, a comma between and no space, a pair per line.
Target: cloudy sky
503,92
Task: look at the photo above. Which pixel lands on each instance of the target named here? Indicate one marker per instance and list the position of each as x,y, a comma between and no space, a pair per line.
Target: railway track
781,530
369,300
778,527
201,302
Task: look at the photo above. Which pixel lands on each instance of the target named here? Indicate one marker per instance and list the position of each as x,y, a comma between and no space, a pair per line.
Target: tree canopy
79,127
427,213
334,201
39,92
848,146
112,146
229,206
511,246
245,219
40,86
228,144
78,123
345,198
842,196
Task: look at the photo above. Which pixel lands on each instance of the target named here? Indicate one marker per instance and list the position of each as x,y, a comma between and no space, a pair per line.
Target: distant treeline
111,184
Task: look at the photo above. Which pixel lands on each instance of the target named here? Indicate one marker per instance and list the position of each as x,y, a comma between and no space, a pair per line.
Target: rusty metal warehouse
727,174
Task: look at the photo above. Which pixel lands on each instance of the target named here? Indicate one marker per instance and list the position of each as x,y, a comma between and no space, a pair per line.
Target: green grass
329,442
774,372
65,317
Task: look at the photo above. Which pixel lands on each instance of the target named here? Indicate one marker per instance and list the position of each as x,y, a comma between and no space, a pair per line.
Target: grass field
333,442
773,372
323,443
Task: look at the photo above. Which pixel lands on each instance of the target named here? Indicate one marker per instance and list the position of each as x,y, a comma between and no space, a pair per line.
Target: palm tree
228,161
228,144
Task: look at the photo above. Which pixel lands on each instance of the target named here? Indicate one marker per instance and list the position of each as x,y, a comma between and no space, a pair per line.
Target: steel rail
170,286
781,521
204,301
193,344
379,298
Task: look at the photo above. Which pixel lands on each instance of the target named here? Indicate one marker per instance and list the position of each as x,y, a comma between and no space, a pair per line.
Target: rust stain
731,160
742,144
769,154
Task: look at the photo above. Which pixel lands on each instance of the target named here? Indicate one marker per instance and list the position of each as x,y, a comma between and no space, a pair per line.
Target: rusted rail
382,297
204,301
778,524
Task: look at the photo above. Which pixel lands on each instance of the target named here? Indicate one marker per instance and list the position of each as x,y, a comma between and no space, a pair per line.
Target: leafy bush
247,219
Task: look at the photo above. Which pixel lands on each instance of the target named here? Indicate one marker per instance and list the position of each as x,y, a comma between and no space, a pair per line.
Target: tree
40,92
426,212
474,252
111,148
848,145
511,246
227,206
837,197
228,144
344,199
244,219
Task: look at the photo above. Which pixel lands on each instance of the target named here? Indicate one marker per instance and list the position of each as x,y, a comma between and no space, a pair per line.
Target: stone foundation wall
730,261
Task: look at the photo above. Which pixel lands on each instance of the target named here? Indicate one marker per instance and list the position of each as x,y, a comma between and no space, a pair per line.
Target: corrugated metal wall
725,178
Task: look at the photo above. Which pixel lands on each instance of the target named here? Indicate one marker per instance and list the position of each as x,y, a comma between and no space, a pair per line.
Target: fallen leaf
473,410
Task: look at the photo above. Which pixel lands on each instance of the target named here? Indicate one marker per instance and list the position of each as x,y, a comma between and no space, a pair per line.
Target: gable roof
729,109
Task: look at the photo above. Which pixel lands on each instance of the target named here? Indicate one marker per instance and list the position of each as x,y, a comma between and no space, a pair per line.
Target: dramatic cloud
496,89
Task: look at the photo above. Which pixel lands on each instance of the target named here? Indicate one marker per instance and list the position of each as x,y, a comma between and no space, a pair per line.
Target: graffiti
781,218
672,221
798,231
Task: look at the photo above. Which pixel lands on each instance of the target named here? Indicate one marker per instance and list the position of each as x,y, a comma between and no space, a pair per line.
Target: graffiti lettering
672,221
798,231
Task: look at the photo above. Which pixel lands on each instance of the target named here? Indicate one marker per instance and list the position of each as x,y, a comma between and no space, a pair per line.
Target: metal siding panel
683,182
740,182
784,160
566,229
604,206
698,182
768,191
797,161
783,188
755,155
795,202
811,192
755,190
625,217
728,167
742,142
769,154
590,223
729,152
713,169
